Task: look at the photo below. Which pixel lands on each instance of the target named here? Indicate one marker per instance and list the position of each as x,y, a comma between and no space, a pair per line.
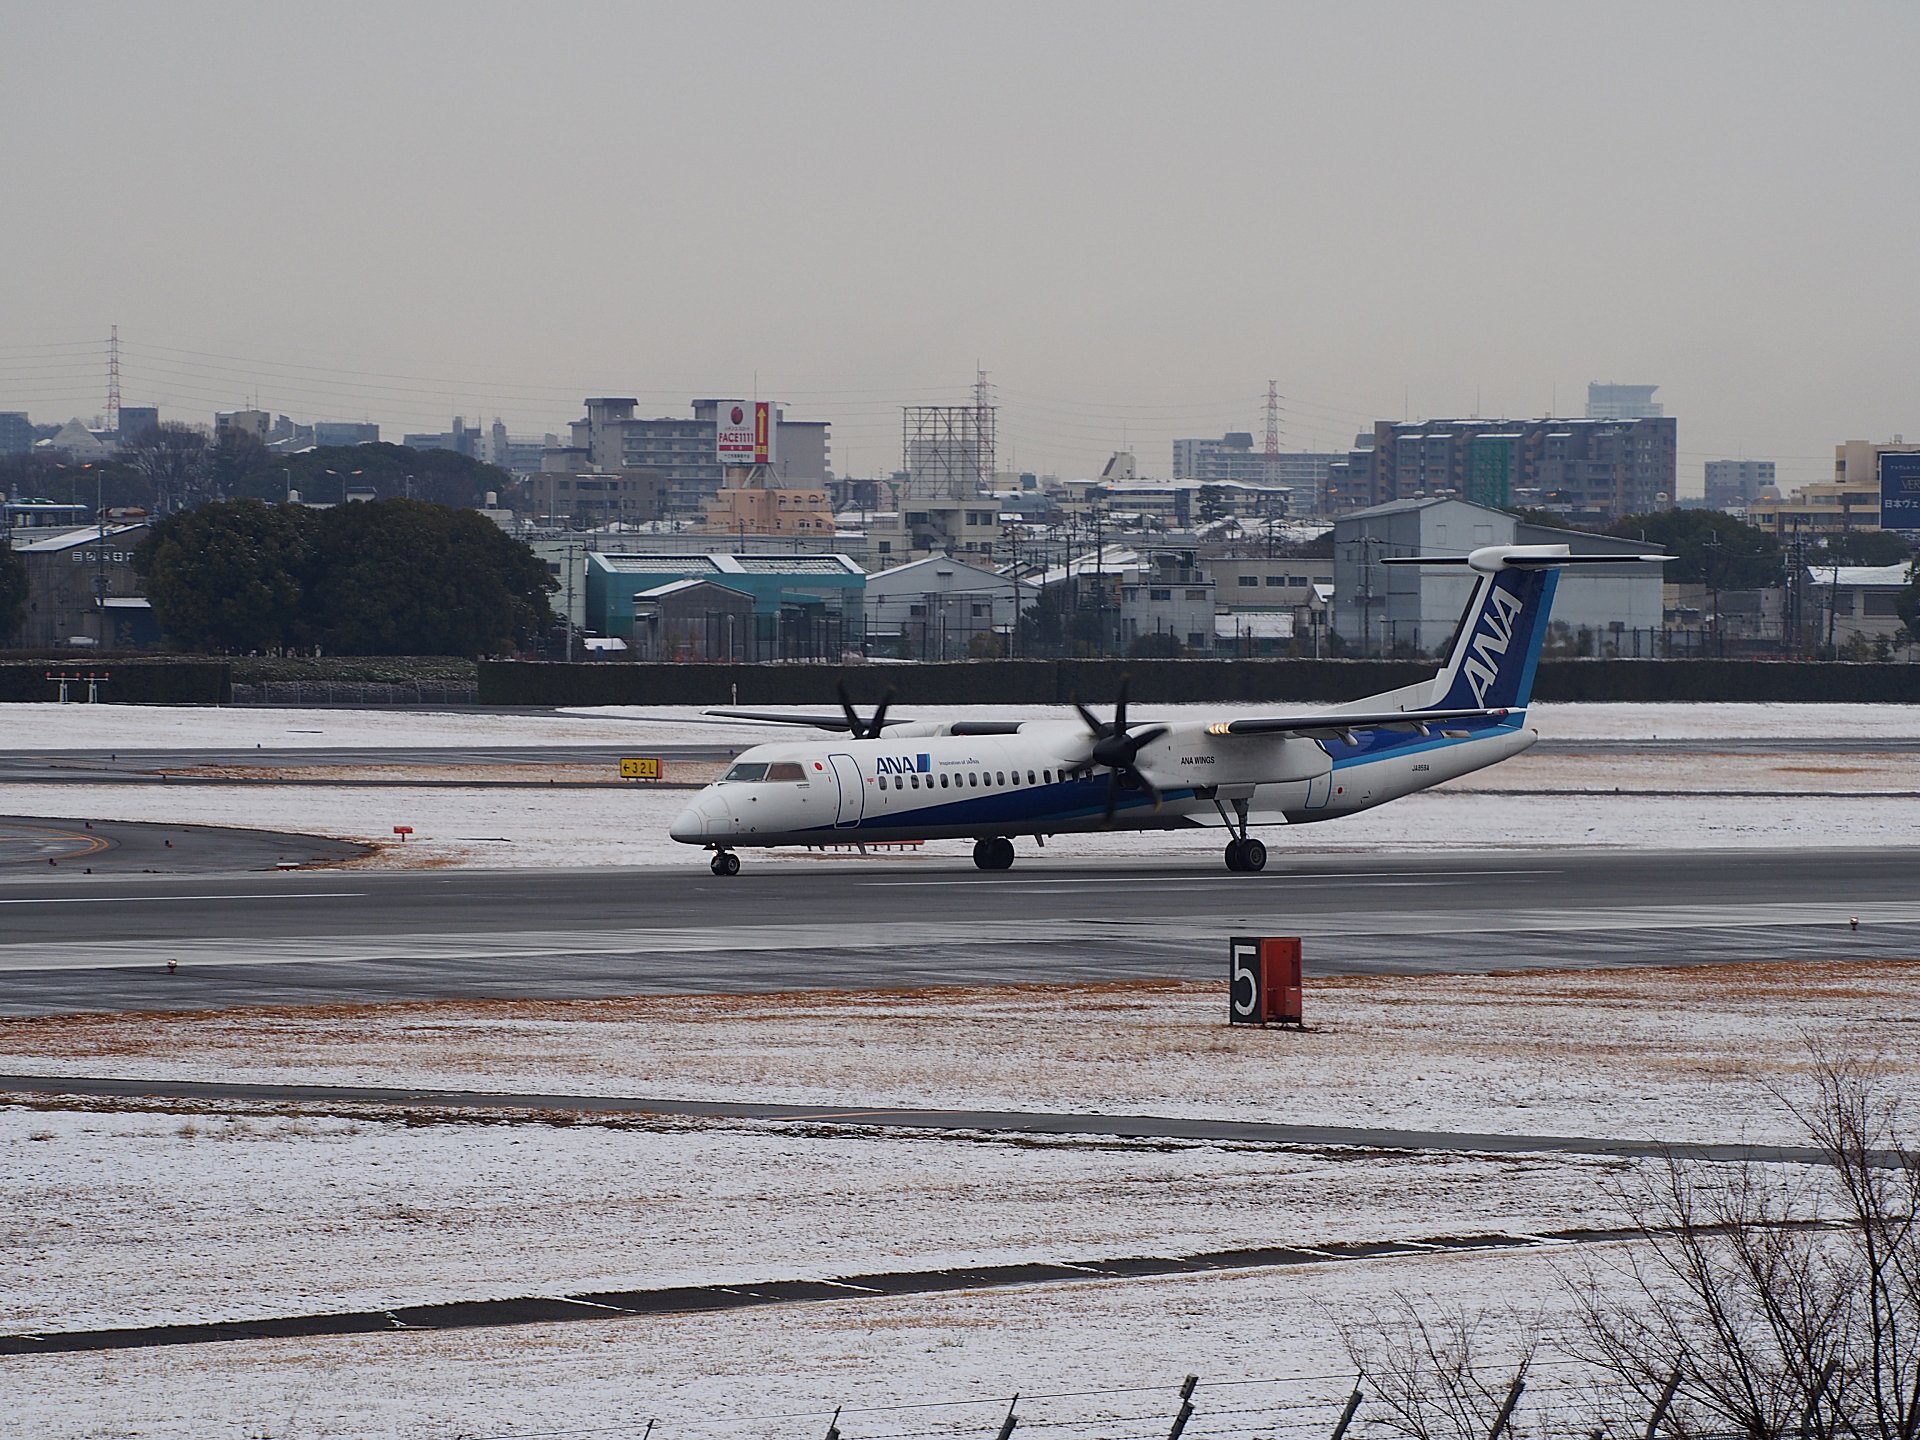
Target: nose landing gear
725,862
994,852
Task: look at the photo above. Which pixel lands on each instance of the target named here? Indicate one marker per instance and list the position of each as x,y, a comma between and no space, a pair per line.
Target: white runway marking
1171,882
182,899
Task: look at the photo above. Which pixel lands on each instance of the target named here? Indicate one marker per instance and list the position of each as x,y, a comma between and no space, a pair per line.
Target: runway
76,943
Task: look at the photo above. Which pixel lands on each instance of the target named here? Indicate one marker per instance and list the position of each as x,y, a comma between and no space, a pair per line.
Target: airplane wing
767,717
1331,724
841,724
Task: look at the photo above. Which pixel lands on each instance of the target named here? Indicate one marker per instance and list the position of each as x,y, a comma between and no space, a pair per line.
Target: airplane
885,781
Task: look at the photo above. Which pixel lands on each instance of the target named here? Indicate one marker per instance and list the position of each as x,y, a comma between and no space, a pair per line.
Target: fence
1055,682
1541,1397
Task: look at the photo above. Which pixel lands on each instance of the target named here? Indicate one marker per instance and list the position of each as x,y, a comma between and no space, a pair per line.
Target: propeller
864,729
1116,748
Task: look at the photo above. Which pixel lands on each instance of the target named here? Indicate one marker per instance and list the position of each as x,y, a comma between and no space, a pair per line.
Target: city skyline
1130,218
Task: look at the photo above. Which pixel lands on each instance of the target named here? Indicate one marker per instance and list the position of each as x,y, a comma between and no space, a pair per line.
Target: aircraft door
1320,789
846,774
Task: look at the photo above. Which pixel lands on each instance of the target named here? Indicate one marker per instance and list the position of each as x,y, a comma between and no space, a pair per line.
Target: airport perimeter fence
1544,1398
1097,682
356,692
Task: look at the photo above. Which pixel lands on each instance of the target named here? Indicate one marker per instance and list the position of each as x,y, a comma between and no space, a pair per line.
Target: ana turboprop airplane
892,781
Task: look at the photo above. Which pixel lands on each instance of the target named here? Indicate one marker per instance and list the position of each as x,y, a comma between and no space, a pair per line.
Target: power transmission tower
113,378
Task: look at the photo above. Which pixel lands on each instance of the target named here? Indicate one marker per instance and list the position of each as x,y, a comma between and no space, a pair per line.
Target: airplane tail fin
1497,647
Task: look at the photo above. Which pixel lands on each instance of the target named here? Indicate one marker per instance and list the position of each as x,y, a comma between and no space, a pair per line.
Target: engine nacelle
1192,757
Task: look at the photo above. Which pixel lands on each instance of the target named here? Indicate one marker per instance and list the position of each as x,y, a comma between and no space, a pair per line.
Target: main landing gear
995,852
725,862
1245,857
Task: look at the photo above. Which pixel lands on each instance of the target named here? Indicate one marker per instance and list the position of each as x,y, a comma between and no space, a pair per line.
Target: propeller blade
1147,736
853,717
1094,727
1120,709
877,725
1113,797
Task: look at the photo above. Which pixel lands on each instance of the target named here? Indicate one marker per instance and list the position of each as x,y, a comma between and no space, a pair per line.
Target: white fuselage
920,782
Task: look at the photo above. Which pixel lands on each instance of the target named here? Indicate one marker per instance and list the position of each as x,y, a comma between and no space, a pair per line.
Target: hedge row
129,682
1045,682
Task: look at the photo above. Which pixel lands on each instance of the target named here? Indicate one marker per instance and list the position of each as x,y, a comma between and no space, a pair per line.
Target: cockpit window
786,770
747,770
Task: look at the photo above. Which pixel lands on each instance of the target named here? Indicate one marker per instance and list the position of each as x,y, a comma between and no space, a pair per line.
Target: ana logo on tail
1480,667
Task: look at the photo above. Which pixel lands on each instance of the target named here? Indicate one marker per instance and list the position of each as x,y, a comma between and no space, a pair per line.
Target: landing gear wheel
1236,856
993,852
1253,856
726,863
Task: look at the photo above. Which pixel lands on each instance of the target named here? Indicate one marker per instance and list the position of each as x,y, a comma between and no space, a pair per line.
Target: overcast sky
1132,216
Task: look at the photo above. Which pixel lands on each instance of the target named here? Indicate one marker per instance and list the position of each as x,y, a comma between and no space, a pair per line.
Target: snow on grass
1663,1054
139,1218
146,727
781,1371
509,828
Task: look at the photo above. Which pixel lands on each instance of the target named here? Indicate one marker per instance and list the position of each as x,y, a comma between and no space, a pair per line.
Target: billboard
1900,490
743,432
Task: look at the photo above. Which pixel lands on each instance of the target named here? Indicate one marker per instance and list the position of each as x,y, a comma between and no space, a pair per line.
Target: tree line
386,577
172,467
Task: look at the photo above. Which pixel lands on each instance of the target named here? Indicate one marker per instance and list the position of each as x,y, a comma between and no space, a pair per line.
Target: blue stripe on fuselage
1028,806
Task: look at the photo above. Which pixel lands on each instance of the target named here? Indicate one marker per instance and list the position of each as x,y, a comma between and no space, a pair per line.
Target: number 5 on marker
1243,983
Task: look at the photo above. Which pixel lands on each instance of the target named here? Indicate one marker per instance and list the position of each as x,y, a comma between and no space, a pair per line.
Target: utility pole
1833,605
1012,533
1712,547
100,554
569,562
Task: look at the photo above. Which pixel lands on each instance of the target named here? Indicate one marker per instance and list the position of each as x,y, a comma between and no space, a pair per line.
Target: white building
1622,402
1859,601
1388,609
942,608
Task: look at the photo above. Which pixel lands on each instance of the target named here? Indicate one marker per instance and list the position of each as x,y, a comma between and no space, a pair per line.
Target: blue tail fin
1498,644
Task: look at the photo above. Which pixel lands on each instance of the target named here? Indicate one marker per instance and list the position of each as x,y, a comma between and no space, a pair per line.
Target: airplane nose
689,827
706,816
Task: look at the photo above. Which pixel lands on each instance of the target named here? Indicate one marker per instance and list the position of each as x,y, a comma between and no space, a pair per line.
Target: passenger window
915,782
943,781
973,779
1030,779
1047,775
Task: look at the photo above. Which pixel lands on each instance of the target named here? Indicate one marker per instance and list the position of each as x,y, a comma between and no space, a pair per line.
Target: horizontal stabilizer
1489,558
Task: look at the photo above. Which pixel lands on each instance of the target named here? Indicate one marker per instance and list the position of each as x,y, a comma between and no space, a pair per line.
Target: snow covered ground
1097,1360
579,828
72,727
1680,1054
114,1214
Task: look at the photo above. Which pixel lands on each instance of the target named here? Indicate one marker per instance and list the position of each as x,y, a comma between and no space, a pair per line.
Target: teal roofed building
805,607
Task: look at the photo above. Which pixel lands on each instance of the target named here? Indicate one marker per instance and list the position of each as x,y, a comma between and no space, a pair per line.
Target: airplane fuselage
931,786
